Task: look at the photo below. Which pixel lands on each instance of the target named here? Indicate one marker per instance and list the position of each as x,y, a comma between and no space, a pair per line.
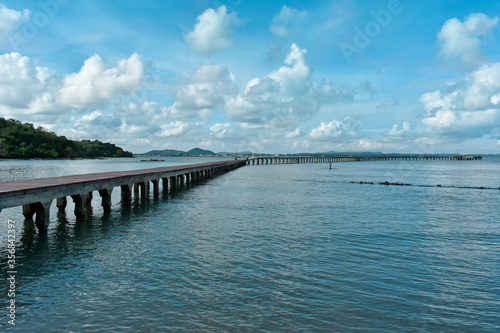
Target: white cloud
293,79
145,114
469,107
336,129
213,31
461,40
95,85
285,97
395,131
129,122
281,21
173,129
441,119
20,81
207,88
293,135
95,125
11,19
427,141
220,131
92,116
37,91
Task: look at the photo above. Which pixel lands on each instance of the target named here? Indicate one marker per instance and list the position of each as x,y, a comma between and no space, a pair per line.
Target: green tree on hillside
18,140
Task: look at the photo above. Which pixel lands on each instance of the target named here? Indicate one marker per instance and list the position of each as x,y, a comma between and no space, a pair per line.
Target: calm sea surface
270,248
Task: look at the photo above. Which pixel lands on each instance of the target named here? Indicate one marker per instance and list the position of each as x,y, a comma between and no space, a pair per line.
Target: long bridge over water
260,160
36,196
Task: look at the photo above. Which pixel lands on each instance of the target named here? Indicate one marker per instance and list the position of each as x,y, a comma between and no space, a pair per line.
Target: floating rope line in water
439,185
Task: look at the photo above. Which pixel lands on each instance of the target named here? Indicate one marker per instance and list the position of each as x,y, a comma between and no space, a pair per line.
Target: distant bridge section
261,160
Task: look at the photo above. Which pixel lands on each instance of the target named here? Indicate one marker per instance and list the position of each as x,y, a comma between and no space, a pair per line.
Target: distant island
192,152
23,140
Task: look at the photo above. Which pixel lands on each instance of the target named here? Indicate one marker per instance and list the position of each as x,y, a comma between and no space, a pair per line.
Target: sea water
268,248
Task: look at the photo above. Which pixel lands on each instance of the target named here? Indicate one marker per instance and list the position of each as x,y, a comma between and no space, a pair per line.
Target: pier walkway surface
37,195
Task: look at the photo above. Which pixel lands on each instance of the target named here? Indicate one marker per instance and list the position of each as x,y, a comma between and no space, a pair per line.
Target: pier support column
61,203
29,211
106,198
156,187
42,219
81,202
144,189
42,211
173,182
90,196
164,183
126,194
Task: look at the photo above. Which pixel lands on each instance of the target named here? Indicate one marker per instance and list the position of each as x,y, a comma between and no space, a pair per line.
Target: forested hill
18,140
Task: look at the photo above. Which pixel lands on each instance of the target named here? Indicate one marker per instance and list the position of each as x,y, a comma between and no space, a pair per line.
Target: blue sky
233,75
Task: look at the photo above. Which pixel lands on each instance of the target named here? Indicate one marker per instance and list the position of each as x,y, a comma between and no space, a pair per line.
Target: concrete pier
37,195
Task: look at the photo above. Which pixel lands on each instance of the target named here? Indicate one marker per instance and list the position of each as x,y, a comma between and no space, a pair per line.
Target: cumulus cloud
95,125
129,122
207,88
11,19
20,81
95,85
133,124
38,91
220,131
396,132
282,20
295,134
212,31
469,107
285,97
336,129
461,40
145,114
174,128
